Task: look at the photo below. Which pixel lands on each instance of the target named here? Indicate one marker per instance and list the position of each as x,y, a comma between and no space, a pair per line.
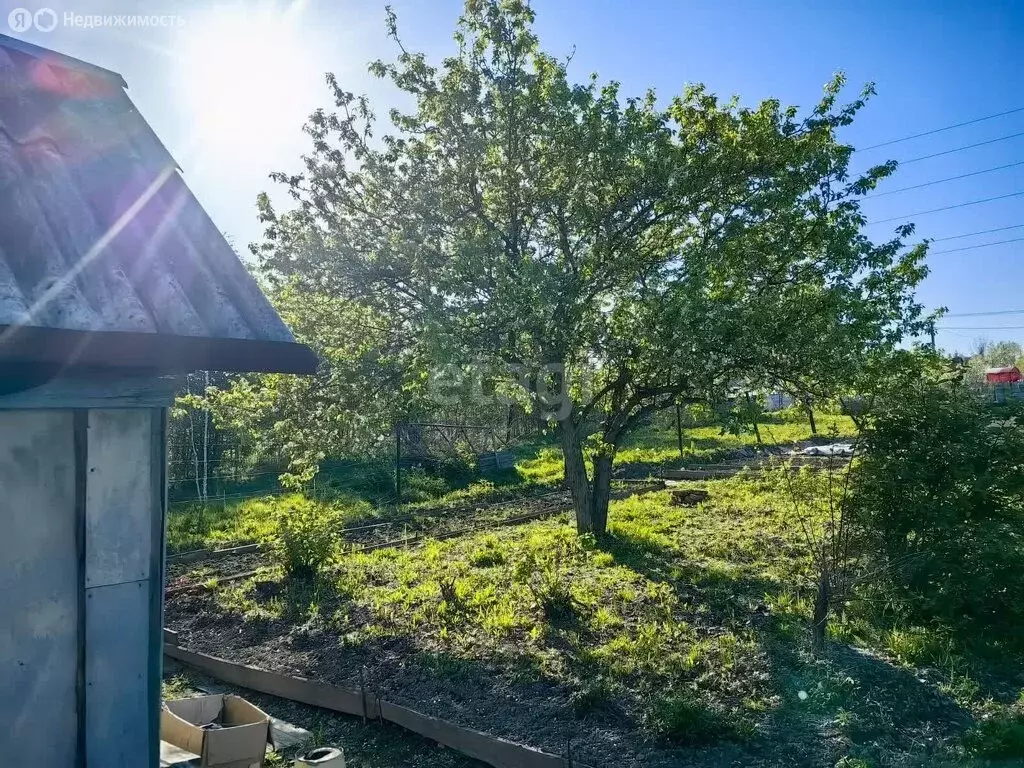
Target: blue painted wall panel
116,675
119,497
38,590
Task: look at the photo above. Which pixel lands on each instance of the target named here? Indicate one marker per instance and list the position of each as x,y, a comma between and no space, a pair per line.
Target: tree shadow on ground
855,702
727,597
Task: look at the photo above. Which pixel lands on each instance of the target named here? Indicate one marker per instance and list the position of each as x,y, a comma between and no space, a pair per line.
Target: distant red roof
1003,375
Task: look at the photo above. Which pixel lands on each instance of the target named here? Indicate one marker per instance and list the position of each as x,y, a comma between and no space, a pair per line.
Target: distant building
1007,374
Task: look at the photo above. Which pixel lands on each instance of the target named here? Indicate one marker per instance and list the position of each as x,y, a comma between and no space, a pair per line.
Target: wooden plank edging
287,687
212,554
480,746
492,750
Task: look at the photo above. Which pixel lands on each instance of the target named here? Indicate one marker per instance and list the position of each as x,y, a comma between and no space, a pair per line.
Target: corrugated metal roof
101,240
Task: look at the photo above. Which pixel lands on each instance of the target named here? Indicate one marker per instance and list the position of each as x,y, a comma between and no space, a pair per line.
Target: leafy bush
941,484
1000,737
542,574
684,720
307,537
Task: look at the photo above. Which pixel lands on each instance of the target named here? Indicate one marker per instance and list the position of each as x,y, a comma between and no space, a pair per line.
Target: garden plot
677,641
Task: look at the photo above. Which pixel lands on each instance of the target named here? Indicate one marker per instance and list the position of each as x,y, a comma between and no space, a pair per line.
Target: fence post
679,428
398,464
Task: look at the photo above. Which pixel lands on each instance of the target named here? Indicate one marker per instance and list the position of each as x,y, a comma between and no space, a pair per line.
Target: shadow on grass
726,597
851,697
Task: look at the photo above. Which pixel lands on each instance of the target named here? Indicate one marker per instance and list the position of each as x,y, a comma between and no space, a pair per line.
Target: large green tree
644,254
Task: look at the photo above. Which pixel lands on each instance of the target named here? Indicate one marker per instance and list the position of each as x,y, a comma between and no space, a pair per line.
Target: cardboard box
240,741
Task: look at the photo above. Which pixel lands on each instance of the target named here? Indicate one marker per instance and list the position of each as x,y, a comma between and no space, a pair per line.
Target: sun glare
246,79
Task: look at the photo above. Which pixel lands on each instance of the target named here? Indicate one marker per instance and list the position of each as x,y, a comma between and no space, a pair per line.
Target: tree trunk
753,419
576,477
602,491
819,625
810,417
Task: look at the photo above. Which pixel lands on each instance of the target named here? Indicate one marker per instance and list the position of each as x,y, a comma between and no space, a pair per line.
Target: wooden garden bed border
492,750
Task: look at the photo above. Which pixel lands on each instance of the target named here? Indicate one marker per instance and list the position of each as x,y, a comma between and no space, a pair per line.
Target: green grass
355,490
658,445
601,619
692,621
654,618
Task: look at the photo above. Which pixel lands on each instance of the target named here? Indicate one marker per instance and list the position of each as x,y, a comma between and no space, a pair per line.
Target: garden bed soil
504,701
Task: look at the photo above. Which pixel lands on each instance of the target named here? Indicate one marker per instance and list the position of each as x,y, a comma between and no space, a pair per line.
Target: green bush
549,585
685,721
941,486
1000,737
428,483
307,537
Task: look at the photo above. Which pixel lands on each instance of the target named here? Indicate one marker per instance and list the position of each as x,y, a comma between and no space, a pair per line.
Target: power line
944,128
974,247
980,328
985,314
943,181
950,207
979,232
959,149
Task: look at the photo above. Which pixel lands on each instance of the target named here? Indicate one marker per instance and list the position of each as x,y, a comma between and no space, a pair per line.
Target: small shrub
592,695
449,593
918,645
543,577
489,554
685,721
554,598
419,485
307,538
1001,737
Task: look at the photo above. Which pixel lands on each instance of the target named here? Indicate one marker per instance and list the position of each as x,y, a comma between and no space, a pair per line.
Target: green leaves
513,217
348,408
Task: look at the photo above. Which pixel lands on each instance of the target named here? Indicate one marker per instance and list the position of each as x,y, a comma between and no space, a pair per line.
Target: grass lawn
679,640
355,494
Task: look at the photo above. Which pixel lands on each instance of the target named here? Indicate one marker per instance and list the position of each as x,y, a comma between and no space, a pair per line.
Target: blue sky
934,63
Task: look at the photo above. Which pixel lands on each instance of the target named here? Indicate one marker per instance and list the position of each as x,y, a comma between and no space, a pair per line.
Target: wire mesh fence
209,463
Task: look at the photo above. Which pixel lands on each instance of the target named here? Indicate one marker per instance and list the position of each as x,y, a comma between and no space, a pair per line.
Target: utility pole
679,428
206,438
931,332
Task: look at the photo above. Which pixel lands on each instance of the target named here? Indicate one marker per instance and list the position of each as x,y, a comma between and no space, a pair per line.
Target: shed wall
38,589
120,697
81,570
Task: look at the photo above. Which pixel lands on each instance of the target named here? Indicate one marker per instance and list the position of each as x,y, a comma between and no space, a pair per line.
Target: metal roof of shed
106,257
